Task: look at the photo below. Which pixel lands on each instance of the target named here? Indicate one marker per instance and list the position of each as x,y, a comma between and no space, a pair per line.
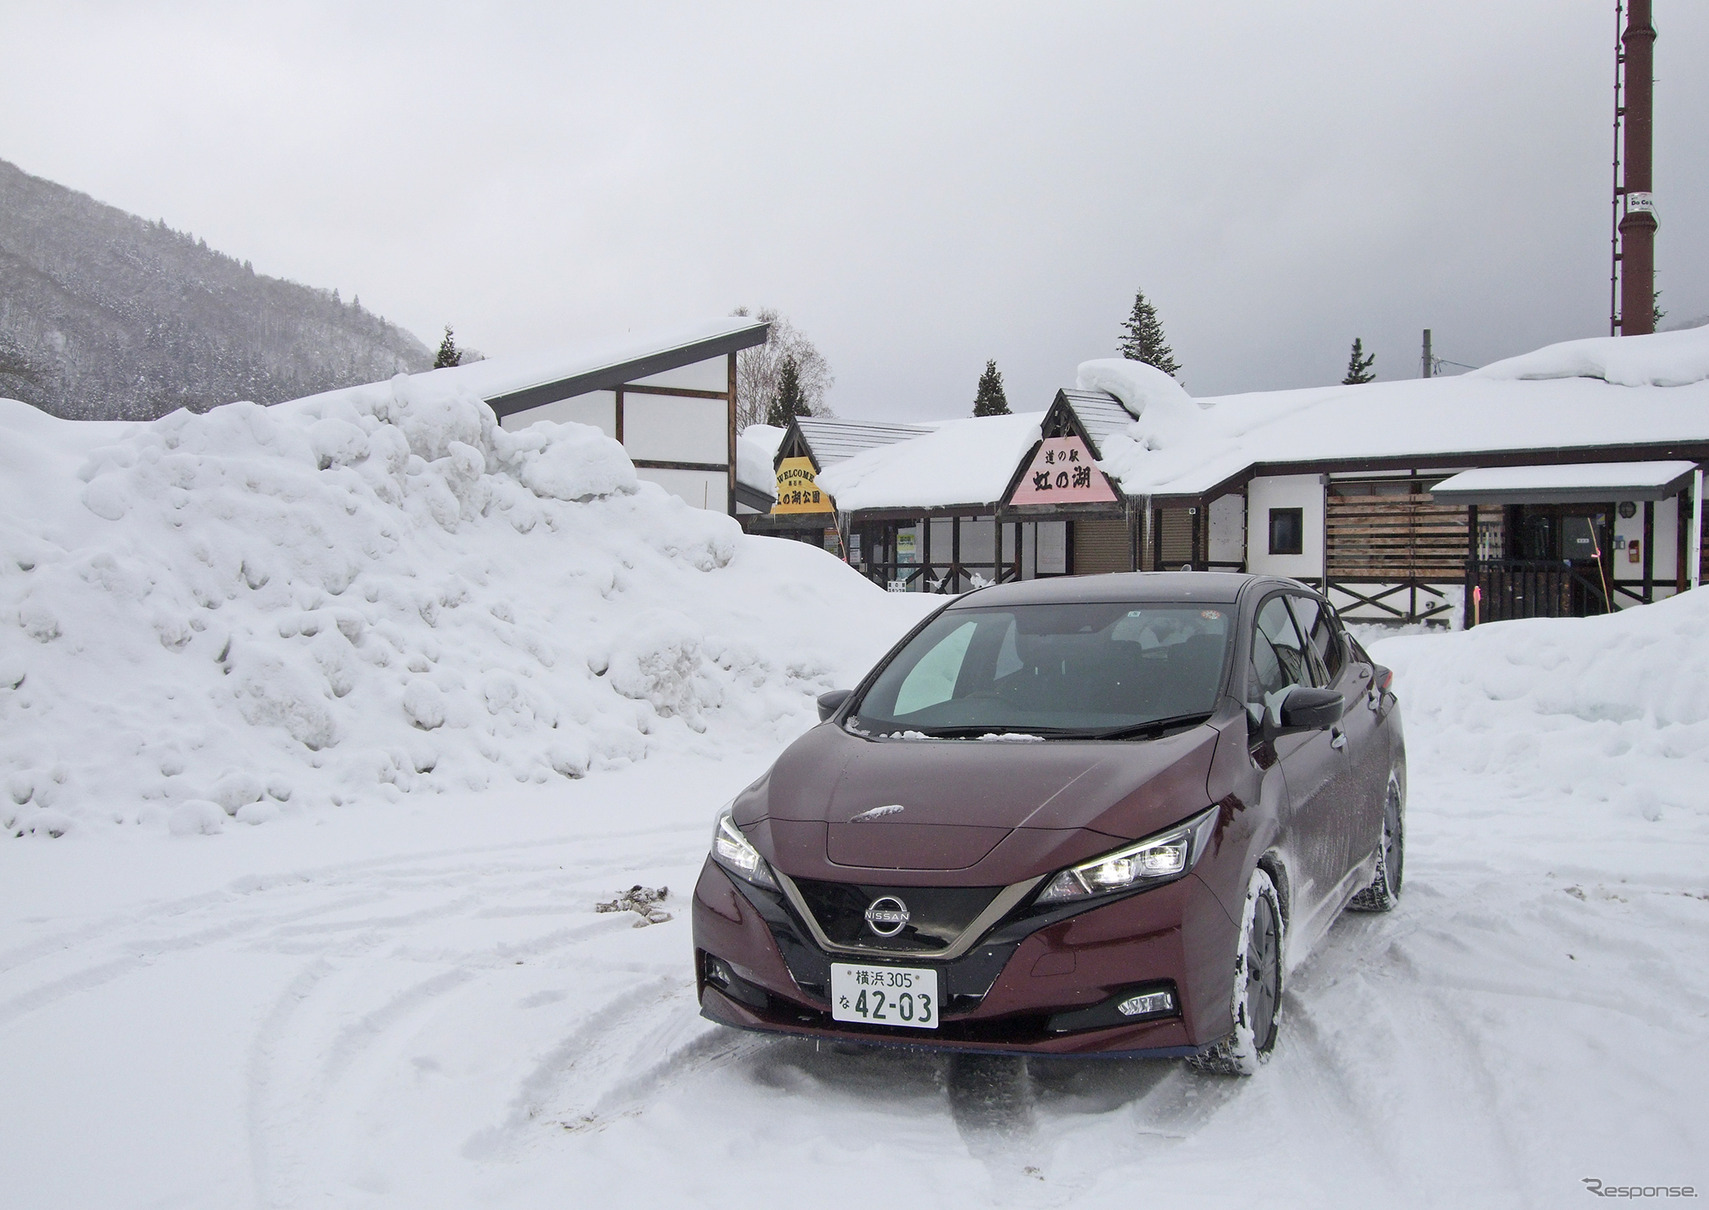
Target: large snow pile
1662,359
1166,413
377,591
1604,719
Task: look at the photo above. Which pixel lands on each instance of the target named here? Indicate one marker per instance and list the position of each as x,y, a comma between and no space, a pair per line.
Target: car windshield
1077,670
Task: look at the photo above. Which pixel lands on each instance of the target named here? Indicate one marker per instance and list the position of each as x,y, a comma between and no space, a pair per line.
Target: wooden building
1523,490
669,397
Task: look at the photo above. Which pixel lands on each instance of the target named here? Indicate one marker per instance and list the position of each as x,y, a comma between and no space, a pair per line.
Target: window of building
1287,531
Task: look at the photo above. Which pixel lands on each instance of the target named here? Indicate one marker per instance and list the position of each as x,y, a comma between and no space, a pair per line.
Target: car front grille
936,915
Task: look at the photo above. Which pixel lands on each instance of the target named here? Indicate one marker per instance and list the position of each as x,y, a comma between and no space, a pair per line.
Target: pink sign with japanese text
1062,472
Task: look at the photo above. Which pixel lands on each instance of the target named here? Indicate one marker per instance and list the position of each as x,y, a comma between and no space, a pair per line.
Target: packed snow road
447,1022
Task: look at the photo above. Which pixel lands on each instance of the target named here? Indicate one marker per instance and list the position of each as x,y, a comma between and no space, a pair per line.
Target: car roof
1215,587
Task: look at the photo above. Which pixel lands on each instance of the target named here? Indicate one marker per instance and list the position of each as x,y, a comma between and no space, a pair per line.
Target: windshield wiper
979,732
1153,727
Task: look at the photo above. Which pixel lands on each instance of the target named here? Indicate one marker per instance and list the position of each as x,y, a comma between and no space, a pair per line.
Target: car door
1354,807
1310,835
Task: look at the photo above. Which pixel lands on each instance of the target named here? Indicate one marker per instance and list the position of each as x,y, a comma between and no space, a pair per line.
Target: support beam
1649,551
1469,612
730,406
1695,556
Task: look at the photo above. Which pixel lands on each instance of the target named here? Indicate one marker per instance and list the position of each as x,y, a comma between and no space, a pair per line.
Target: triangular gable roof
826,440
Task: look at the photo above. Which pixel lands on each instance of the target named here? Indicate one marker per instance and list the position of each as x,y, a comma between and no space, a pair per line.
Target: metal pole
1427,363
1638,228
1614,221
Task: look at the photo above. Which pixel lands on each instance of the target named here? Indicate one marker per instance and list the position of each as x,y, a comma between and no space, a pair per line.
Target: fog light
717,973
1150,1002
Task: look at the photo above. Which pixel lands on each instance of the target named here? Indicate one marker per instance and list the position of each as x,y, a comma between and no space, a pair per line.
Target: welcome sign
1062,472
798,490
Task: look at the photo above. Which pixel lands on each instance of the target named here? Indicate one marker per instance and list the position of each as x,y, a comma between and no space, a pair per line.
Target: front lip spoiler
898,1042
1007,899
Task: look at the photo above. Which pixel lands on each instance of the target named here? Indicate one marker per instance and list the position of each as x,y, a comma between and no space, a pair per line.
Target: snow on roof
953,463
1100,412
1665,359
834,440
756,457
497,377
1531,402
1591,481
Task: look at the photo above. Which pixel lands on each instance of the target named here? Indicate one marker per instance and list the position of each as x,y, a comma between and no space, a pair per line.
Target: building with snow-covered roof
1566,481
668,397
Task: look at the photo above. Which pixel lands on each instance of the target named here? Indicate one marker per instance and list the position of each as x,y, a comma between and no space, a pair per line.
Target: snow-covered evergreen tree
789,400
449,354
1144,337
1359,365
989,399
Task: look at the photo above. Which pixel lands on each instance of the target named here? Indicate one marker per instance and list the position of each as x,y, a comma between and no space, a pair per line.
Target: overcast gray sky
918,186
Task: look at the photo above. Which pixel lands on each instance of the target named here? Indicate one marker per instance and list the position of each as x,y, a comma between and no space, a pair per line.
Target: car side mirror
1305,709
830,703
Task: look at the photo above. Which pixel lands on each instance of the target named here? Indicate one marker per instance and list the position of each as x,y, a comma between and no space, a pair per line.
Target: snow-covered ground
396,991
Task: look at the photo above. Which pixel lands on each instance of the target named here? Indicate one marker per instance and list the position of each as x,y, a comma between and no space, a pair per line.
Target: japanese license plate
884,995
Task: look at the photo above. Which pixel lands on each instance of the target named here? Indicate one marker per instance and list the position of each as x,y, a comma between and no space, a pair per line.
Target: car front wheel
1383,891
1257,986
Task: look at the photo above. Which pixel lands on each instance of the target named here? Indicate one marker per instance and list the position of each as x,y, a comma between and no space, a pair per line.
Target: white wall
660,428
703,489
669,428
598,408
1304,492
1631,529
711,375
1228,529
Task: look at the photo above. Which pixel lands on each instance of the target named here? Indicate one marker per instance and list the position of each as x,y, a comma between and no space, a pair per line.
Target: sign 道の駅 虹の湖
1062,472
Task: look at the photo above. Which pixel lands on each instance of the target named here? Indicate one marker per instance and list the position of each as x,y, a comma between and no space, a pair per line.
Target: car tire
1383,891
1257,986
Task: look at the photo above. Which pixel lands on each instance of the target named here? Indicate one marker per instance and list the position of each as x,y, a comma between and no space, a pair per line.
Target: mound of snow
1609,714
1166,413
1663,359
377,592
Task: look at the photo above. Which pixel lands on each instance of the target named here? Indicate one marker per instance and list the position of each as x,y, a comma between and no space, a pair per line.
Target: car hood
993,811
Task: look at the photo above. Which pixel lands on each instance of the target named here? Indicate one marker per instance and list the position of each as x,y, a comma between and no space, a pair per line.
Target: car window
1074,668
933,678
1322,632
1279,661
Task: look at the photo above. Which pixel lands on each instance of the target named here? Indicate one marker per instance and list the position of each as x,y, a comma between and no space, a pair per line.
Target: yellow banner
797,491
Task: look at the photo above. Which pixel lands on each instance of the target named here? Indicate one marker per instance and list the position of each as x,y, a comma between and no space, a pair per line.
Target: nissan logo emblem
887,916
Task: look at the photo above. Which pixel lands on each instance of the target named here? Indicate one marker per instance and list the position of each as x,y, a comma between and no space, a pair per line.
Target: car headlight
731,849
1156,859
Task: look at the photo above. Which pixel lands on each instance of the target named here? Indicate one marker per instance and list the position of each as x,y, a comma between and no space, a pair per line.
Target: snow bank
756,452
378,592
1663,359
1607,714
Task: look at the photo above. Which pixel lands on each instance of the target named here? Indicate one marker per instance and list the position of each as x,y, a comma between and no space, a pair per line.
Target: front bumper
1031,985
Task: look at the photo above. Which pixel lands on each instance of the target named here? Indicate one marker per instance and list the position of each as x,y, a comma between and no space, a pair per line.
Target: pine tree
449,354
989,400
1359,365
1144,340
789,400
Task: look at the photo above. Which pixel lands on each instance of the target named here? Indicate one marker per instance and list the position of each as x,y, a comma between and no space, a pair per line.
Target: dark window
1279,661
1323,633
1287,531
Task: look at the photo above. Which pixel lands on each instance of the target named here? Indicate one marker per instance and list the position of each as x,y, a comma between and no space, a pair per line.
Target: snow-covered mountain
106,316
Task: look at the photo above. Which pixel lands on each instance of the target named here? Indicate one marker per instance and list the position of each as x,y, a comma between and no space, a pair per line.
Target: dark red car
1081,815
